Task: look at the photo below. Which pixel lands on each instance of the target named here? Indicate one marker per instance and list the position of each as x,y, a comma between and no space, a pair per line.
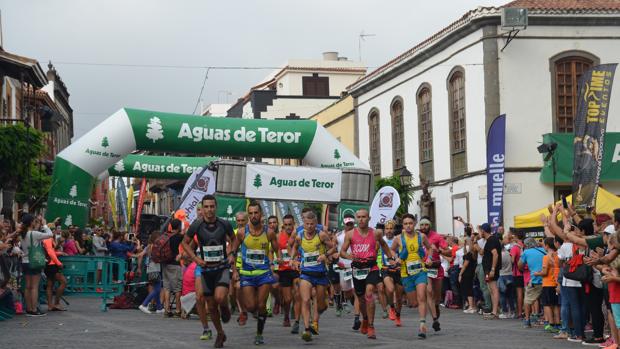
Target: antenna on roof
362,37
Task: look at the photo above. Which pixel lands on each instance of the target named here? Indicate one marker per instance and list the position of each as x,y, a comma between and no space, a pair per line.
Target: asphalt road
84,326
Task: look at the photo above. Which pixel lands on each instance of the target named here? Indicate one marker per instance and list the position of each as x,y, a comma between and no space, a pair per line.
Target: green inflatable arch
78,166
150,166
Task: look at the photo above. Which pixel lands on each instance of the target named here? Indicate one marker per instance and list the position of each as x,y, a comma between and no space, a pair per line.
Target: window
398,134
458,138
315,86
375,143
425,132
567,73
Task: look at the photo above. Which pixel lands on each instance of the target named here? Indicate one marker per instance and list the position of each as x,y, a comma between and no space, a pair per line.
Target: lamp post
405,178
549,149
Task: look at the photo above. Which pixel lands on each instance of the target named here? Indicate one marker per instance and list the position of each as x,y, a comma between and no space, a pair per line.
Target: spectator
100,249
491,264
172,273
120,248
505,283
549,272
32,238
515,255
466,276
70,246
53,272
480,275
532,257
153,272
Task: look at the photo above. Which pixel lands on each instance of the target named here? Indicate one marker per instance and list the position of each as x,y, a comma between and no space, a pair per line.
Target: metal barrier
82,276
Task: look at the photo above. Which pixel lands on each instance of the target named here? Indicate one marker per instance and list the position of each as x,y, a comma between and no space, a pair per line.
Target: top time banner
294,183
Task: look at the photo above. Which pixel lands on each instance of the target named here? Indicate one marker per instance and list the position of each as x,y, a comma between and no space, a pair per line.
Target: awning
610,170
606,202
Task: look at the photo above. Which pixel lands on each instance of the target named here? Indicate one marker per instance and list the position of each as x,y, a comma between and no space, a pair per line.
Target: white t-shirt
444,263
458,258
565,253
481,243
340,241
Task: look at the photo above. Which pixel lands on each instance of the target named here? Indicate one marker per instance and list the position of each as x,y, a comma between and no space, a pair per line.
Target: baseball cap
609,230
348,220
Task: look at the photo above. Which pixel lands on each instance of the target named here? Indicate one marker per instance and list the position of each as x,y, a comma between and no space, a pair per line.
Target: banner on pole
384,206
590,125
294,183
121,200
199,184
112,202
228,206
496,153
347,208
140,203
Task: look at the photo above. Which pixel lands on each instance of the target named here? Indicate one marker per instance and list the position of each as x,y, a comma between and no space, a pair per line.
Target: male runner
346,273
363,242
435,271
288,276
214,258
391,277
312,246
257,247
413,267
241,219
273,225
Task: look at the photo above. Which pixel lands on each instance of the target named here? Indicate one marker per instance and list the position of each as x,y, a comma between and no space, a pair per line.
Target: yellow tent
606,202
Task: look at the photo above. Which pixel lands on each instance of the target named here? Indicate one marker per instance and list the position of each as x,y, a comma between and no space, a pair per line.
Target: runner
346,273
435,271
214,257
257,246
391,277
413,269
272,224
287,275
312,246
242,220
363,242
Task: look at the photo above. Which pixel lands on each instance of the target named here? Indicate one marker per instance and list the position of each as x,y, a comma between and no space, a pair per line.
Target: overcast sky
196,33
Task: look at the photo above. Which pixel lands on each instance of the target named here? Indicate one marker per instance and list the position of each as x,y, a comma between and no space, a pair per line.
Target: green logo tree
258,182
155,131
104,142
336,154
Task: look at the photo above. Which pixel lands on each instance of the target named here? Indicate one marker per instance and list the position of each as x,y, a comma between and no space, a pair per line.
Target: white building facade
430,108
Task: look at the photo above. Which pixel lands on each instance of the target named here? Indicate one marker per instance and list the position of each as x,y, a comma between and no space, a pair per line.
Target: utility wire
204,82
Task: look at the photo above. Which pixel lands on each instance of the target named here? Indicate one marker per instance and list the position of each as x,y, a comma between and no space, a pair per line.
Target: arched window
425,132
458,134
567,71
398,134
375,142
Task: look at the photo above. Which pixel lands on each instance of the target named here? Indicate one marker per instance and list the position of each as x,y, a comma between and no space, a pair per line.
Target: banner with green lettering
150,166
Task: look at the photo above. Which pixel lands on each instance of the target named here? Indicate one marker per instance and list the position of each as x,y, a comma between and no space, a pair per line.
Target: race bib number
311,259
414,268
213,253
256,257
361,274
347,274
433,273
285,256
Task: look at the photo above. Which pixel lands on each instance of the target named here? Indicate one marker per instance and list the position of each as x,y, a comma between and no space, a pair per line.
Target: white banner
292,183
384,206
204,185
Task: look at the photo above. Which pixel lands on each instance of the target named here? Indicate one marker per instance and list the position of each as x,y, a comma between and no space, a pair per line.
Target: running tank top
283,238
364,247
340,241
255,253
384,257
411,255
310,250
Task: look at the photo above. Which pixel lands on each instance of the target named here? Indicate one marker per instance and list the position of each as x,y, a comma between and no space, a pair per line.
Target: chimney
330,56
343,59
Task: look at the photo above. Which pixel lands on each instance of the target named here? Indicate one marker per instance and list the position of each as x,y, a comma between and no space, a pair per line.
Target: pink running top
364,247
435,239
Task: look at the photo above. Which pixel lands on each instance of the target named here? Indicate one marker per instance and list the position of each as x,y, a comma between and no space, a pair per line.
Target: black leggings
594,304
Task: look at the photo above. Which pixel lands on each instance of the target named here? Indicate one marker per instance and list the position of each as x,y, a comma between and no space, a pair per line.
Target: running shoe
371,332
574,339
242,319
295,329
286,323
356,324
314,328
225,313
36,313
595,342
422,331
397,321
338,312
550,329
364,328
561,335
392,314
436,326
527,323
219,341
259,340
306,336
206,335
385,314
145,309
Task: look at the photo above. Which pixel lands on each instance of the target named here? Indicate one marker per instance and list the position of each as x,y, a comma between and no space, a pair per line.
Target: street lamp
549,149
405,177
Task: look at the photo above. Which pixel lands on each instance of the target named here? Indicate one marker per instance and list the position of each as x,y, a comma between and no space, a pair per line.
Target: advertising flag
496,153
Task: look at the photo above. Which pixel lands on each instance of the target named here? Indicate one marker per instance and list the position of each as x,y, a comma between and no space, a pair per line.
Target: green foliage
19,148
34,186
316,207
406,197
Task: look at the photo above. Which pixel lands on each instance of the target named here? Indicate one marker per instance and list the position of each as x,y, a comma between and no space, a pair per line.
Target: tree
336,154
69,220
34,188
104,142
155,131
119,166
258,181
406,197
73,191
19,147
